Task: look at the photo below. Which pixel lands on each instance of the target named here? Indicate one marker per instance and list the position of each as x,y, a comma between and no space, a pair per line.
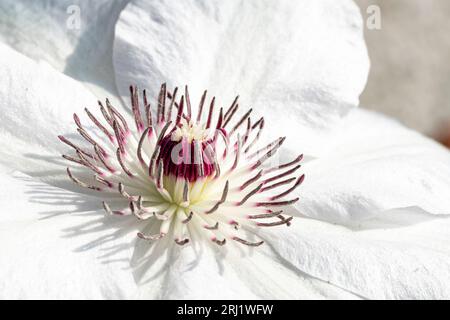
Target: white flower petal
408,262
54,247
74,36
165,271
302,63
36,105
375,164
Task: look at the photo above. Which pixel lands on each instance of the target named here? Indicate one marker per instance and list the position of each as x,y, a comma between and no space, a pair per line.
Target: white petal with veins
166,271
301,63
410,260
374,164
56,244
36,104
74,36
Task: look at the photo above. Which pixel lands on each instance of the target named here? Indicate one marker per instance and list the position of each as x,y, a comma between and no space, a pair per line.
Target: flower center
187,152
189,178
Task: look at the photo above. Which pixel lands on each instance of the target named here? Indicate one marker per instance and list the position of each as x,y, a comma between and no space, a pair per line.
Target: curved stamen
181,242
222,199
81,183
189,218
122,163
151,237
188,168
248,243
249,195
296,184
265,215
214,227
273,224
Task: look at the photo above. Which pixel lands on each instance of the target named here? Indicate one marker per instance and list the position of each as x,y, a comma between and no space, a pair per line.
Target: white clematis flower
372,219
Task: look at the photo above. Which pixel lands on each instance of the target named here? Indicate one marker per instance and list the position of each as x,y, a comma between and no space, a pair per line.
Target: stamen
98,124
219,119
237,154
102,159
277,204
250,194
227,113
189,218
88,138
282,175
78,161
211,109
77,121
66,141
272,149
122,163
278,184
222,199
241,121
181,242
265,215
288,164
148,111
251,180
174,96
220,242
214,227
297,183
114,113
188,102
151,237
139,149
273,224
125,194
180,110
103,181
135,108
105,114
261,127
81,183
110,212
161,103
119,137
248,243
186,191
200,106
184,172
230,116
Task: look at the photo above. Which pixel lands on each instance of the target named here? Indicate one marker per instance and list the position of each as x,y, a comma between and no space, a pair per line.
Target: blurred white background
410,64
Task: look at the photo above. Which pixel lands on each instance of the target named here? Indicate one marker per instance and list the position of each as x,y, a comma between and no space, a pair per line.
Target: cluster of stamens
193,178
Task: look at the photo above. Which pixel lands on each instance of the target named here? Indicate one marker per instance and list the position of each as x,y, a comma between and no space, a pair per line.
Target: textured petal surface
54,246
406,262
301,63
166,271
74,36
36,105
375,164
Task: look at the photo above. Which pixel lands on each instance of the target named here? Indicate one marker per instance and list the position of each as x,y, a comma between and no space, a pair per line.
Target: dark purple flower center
187,158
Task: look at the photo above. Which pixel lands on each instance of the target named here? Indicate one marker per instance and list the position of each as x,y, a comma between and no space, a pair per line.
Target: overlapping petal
36,105
373,164
409,261
199,271
302,64
74,36
57,244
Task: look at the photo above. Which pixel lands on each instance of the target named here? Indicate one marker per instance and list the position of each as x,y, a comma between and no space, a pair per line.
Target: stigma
181,173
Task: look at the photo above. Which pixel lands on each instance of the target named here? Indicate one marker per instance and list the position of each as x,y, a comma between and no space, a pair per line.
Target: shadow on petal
115,237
